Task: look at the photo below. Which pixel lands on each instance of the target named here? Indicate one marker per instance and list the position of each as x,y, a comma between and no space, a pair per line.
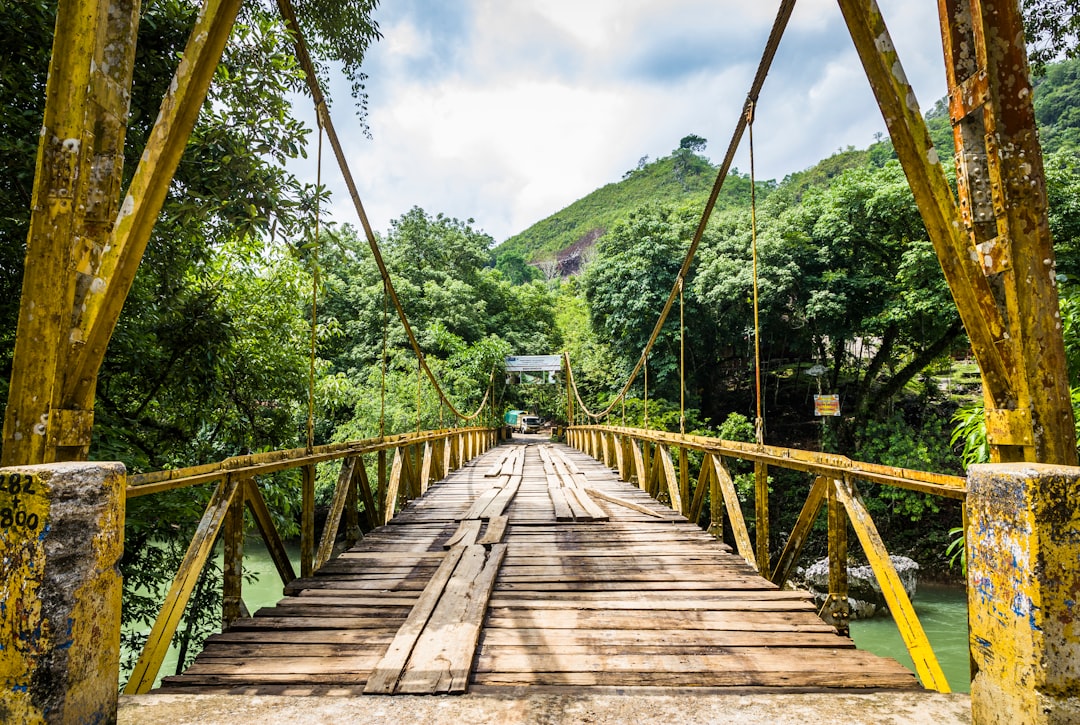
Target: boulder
864,592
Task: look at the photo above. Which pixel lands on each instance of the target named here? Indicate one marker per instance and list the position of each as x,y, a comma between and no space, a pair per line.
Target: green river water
942,611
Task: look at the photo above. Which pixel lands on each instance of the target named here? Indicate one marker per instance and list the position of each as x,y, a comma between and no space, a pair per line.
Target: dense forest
211,356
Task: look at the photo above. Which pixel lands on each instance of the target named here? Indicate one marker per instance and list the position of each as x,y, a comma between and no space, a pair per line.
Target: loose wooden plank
481,503
545,458
579,511
501,500
622,502
388,670
466,533
562,506
560,458
519,461
496,529
592,510
496,467
442,658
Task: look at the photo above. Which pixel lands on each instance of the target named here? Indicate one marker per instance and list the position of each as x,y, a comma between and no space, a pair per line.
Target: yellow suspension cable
783,15
759,422
682,361
288,14
382,391
314,299
569,381
646,393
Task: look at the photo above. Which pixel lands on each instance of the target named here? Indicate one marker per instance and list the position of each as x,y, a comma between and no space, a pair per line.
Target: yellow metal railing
415,460
646,457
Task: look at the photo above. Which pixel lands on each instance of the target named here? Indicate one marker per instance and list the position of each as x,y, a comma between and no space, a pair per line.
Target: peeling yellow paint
61,533
1023,585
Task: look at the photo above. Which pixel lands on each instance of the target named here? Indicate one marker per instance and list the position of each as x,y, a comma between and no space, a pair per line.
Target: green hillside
1057,110
683,177
560,242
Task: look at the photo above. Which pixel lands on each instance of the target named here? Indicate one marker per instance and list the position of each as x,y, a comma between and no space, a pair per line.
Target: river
941,609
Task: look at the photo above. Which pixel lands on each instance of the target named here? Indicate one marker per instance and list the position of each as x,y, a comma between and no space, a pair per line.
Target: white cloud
403,40
507,111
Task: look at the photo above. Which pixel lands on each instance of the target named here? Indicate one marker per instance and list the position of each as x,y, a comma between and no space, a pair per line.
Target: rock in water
864,592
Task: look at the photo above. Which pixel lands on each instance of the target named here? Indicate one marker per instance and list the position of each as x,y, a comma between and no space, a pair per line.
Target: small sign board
826,405
534,363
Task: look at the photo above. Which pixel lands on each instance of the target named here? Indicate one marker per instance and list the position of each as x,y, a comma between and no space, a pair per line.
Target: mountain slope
683,177
559,244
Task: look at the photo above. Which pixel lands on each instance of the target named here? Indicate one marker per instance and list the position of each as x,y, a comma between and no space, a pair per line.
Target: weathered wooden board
442,660
386,674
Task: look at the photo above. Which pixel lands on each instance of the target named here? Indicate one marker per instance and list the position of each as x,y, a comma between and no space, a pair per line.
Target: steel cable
783,15
288,14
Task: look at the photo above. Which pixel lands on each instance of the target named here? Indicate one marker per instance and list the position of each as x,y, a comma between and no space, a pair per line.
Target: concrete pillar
61,538
1023,540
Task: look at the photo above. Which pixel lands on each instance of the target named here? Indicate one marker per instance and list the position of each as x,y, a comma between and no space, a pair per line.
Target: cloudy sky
505,111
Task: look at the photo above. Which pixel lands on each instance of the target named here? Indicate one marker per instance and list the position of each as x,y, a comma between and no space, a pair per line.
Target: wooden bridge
534,565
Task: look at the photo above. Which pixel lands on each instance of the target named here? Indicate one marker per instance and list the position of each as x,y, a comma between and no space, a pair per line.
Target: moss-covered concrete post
1023,540
61,538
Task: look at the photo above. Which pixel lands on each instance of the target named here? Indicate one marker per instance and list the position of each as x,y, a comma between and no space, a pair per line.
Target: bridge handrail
645,456
238,490
260,464
822,464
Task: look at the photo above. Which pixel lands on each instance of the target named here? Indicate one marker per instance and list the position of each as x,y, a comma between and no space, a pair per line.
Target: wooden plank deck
528,567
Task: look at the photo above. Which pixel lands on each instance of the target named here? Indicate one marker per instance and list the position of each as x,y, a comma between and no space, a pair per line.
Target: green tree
465,314
208,357
693,143
687,161
1052,28
846,279
627,285
515,268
